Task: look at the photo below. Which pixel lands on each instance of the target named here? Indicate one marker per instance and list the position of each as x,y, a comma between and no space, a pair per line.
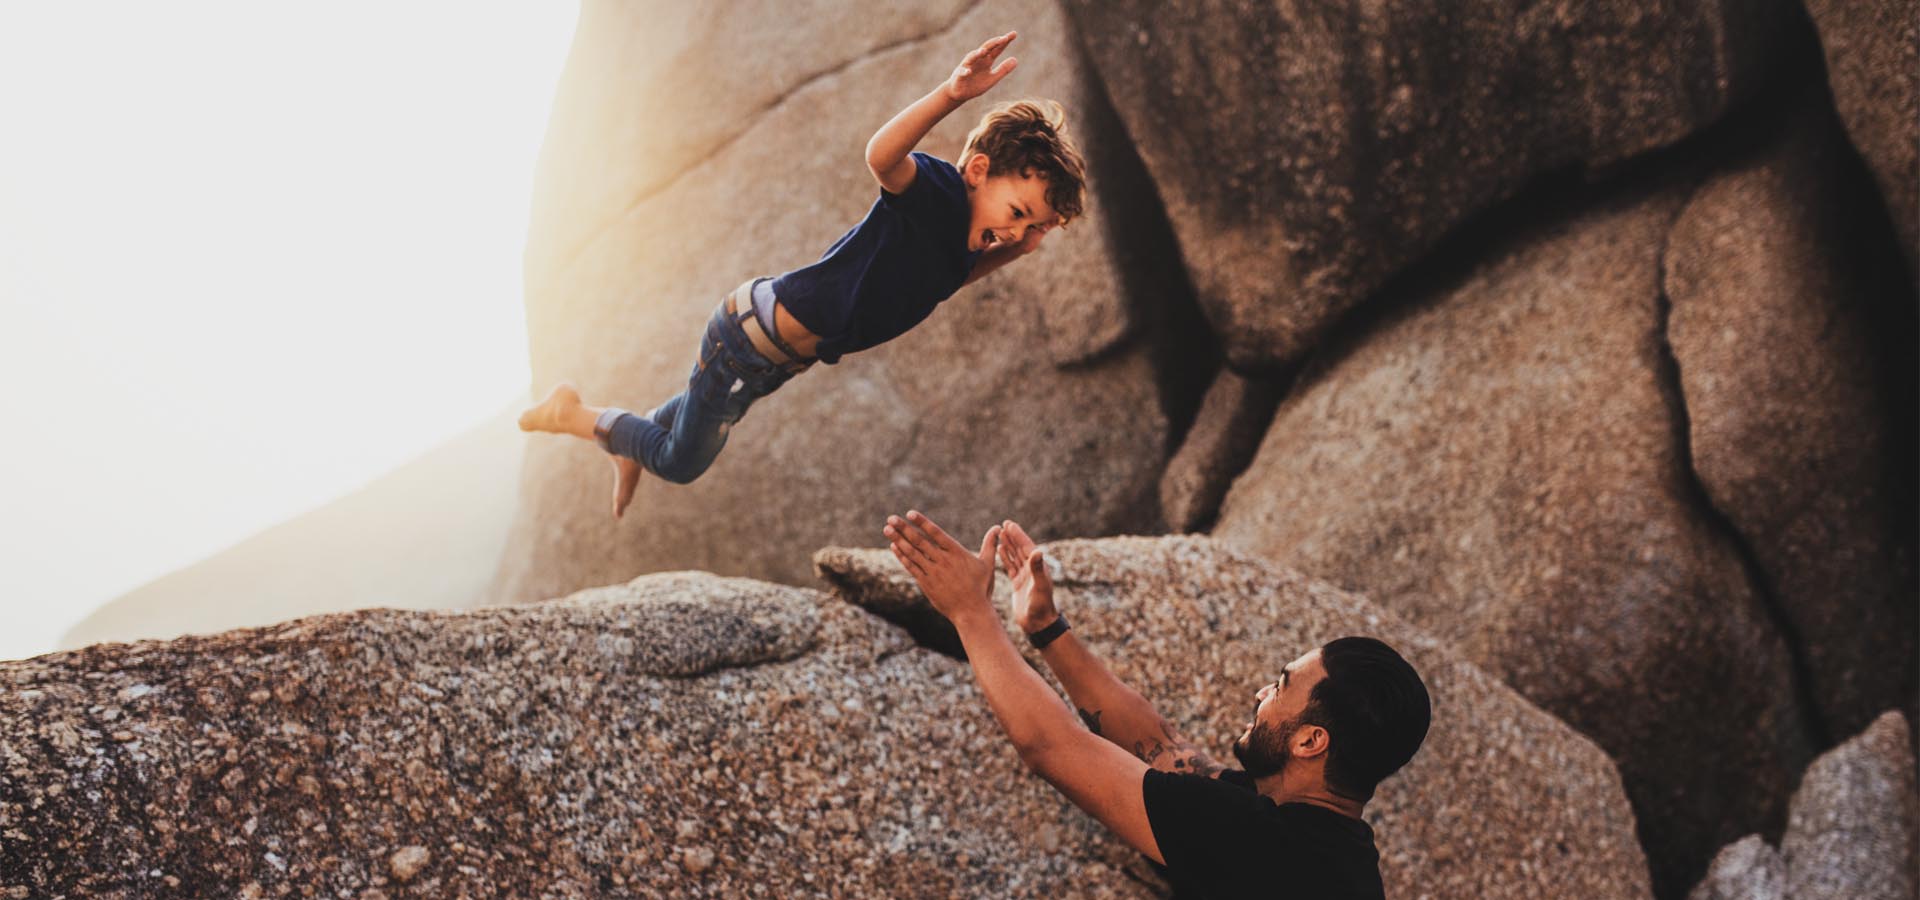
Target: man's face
1263,748
1006,208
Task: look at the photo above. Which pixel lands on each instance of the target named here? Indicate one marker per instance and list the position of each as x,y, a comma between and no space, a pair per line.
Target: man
1334,723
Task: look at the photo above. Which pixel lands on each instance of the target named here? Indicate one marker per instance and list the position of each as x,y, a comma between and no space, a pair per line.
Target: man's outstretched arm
1106,704
1097,776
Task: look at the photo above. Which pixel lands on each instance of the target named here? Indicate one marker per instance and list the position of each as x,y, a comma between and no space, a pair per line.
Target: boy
934,229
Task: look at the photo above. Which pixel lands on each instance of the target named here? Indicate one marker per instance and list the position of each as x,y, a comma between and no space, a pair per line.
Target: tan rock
1496,460
566,742
1873,66
1043,362
1306,152
408,861
1502,801
1791,327
1855,819
1850,835
1225,433
1747,869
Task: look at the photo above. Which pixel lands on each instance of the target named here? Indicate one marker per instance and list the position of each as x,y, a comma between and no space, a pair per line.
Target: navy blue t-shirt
887,273
1222,840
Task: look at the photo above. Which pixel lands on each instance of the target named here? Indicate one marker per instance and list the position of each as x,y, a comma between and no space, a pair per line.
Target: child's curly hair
1029,137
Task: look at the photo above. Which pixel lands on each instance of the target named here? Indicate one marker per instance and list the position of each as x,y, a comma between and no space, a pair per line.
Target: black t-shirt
1224,841
887,273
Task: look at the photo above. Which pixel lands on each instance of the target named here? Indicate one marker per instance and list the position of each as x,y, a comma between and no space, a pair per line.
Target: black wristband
1040,639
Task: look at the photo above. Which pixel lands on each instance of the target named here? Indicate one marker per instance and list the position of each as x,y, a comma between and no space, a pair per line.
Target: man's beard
1263,751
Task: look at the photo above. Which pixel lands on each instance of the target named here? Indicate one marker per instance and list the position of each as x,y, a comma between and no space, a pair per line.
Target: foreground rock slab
681,735
1503,801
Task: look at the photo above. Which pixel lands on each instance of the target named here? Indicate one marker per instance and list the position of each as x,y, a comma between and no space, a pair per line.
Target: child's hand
977,74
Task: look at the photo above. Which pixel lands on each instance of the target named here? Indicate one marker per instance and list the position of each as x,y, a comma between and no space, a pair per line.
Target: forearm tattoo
1173,755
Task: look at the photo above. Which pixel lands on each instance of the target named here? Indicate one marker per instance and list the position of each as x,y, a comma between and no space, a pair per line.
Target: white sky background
252,256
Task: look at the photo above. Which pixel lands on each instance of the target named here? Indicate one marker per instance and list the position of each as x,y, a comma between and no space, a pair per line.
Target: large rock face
682,735
1784,295
1873,65
1502,800
638,235
1497,460
1306,152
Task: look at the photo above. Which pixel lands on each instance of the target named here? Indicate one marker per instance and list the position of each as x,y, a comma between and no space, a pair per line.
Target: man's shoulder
1174,795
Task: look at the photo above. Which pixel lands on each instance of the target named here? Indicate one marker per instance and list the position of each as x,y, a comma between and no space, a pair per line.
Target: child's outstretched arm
976,74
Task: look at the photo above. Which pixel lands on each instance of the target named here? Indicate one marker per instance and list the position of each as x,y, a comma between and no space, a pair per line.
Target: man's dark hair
1374,706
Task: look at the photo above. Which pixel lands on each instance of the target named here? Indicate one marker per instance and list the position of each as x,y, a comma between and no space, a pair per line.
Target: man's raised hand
977,74
958,582
1026,565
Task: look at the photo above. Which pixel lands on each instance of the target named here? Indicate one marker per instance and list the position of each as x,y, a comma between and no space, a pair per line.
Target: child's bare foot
560,413
626,476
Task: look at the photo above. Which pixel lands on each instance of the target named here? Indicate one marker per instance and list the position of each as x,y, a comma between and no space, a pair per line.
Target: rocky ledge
705,736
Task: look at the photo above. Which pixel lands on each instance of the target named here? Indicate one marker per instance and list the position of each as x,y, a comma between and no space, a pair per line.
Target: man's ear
1310,741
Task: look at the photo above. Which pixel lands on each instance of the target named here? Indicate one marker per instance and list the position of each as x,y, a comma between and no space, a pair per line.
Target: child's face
1006,208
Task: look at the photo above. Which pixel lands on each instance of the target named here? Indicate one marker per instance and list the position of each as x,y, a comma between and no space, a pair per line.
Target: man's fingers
901,532
939,536
1018,537
1005,66
912,567
990,545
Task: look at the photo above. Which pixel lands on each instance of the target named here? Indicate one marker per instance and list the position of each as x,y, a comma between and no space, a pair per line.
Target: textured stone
1227,430
824,459
1496,459
408,861
1747,869
1305,152
1873,67
1503,800
1784,296
605,745
1854,822
1850,835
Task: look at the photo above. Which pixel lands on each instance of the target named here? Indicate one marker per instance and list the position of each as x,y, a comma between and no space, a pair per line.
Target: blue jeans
681,437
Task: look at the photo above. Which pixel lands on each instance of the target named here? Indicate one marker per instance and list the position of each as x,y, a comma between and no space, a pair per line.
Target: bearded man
1333,724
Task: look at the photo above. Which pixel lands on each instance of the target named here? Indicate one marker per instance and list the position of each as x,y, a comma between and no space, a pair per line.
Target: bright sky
252,256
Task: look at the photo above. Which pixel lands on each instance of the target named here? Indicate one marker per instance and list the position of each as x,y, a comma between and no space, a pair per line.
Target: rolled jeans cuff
603,426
